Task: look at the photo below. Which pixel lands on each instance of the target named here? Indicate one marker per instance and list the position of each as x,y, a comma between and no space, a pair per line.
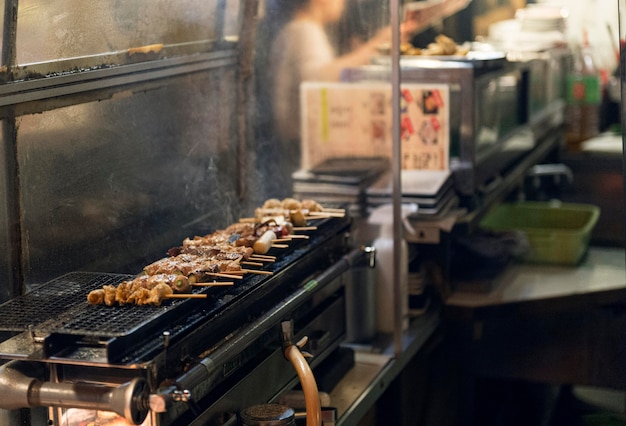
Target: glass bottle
583,96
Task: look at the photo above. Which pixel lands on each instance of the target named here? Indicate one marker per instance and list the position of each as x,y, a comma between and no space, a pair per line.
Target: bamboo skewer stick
305,228
282,246
251,263
214,284
266,256
253,271
326,214
298,236
263,259
186,296
218,274
281,240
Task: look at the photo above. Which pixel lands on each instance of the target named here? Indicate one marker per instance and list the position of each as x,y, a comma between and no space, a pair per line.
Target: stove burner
268,415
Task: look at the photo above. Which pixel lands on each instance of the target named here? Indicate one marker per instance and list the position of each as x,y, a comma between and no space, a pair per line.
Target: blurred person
302,51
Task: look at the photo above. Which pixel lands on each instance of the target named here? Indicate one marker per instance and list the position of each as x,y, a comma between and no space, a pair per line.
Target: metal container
499,108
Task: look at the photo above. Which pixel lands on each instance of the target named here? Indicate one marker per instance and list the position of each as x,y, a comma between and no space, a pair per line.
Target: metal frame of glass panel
27,89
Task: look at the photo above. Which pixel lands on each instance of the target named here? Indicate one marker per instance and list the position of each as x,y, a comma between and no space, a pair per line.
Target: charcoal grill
169,364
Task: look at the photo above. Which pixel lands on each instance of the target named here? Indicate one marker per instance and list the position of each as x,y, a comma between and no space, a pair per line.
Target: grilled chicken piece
142,290
96,297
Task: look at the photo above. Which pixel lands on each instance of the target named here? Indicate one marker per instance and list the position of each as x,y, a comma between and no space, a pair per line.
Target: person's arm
363,54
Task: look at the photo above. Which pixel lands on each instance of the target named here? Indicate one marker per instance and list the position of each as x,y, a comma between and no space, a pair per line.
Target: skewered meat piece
262,212
198,247
290,208
237,235
159,293
272,203
96,297
109,295
189,264
295,216
312,205
291,204
141,290
264,243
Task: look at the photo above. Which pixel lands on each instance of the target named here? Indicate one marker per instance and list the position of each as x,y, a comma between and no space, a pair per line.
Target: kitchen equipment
500,107
557,232
188,361
268,415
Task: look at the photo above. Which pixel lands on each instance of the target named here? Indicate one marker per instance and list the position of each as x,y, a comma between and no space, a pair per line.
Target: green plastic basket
557,232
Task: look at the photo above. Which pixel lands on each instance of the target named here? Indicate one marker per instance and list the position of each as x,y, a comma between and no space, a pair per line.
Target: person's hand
383,36
408,28
411,24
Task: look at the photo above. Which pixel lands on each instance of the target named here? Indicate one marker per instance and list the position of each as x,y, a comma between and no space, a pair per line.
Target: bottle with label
584,97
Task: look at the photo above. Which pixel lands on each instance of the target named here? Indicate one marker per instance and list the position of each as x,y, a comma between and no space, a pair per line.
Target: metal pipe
396,167
20,390
309,386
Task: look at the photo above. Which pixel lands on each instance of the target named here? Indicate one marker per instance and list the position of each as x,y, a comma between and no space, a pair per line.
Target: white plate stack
535,28
542,18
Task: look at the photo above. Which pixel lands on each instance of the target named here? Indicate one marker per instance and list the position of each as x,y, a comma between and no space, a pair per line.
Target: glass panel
6,287
109,186
61,29
323,117
231,19
318,123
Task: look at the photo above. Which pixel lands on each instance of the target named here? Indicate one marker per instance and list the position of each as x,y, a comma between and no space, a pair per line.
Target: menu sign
355,119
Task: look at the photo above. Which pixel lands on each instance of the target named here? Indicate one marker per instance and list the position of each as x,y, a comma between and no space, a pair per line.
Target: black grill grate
52,300
113,321
60,306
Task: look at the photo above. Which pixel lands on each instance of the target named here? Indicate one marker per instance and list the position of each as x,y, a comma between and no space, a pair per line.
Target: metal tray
476,59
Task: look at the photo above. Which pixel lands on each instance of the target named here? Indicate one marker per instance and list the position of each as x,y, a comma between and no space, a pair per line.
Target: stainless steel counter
547,324
602,270
375,368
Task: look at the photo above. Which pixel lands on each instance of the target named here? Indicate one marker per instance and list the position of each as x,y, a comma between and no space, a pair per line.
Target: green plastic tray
557,232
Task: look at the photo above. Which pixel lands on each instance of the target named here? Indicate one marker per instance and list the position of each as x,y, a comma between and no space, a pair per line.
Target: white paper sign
354,119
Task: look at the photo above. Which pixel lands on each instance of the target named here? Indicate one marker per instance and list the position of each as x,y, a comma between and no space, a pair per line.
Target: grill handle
20,390
209,370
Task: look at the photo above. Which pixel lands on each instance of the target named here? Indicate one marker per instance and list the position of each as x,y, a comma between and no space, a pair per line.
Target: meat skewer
142,290
191,265
219,254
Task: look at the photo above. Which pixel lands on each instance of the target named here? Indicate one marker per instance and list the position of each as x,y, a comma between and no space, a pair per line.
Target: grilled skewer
142,290
221,254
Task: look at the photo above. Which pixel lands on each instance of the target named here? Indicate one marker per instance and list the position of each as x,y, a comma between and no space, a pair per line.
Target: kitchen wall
601,19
